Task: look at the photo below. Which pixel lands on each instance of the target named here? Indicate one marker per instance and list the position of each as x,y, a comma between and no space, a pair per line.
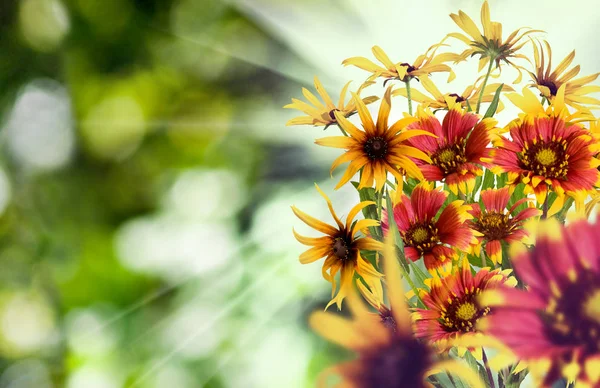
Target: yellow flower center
546,157
446,156
419,235
466,311
591,306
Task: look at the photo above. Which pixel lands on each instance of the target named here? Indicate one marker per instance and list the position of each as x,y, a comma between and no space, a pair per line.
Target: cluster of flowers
500,204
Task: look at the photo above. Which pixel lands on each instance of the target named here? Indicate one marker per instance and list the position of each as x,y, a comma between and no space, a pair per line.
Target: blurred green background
146,176
144,193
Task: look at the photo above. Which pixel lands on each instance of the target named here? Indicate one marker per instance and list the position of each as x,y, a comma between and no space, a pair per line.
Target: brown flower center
494,226
400,362
550,85
462,313
422,236
332,114
376,148
449,158
546,159
458,97
573,317
340,248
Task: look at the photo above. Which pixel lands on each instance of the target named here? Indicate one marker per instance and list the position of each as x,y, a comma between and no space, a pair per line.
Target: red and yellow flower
549,81
423,66
379,149
546,154
493,224
460,142
322,113
553,325
452,306
341,249
436,239
388,353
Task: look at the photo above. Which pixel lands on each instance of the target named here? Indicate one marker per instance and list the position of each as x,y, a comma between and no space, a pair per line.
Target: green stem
485,81
342,129
487,369
407,82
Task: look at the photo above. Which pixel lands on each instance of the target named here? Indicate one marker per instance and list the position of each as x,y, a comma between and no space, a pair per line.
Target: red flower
453,308
554,325
424,234
456,153
492,224
545,154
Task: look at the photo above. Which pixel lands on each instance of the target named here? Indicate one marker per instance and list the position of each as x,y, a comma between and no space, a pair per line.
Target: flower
378,149
424,65
489,45
389,355
452,305
341,249
545,154
438,100
553,325
532,107
320,114
548,83
424,234
493,225
461,143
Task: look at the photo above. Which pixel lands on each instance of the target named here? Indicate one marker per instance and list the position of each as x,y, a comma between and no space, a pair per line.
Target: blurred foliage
148,97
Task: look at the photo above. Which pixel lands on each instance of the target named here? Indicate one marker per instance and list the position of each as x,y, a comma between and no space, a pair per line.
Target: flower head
493,224
379,149
424,65
554,325
452,305
388,355
425,235
467,98
341,249
489,44
457,151
549,81
545,154
322,113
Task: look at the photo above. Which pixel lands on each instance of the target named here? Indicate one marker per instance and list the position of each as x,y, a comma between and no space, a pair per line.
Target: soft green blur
144,199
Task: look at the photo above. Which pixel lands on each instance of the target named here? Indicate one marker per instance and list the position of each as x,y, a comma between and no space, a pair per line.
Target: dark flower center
387,319
458,98
550,85
410,68
449,158
573,318
546,159
422,236
462,314
494,226
376,148
340,248
399,363
332,114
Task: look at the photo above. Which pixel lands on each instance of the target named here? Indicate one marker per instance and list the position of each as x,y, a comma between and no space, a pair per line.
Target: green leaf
469,109
394,229
478,182
488,180
370,212
501,180
491,111
518,194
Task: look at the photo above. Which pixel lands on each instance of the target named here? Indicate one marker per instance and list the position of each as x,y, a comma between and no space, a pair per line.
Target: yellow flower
341,249
548,82
438,100
388,353
379,149
489,44
320,114
424,65
533,108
